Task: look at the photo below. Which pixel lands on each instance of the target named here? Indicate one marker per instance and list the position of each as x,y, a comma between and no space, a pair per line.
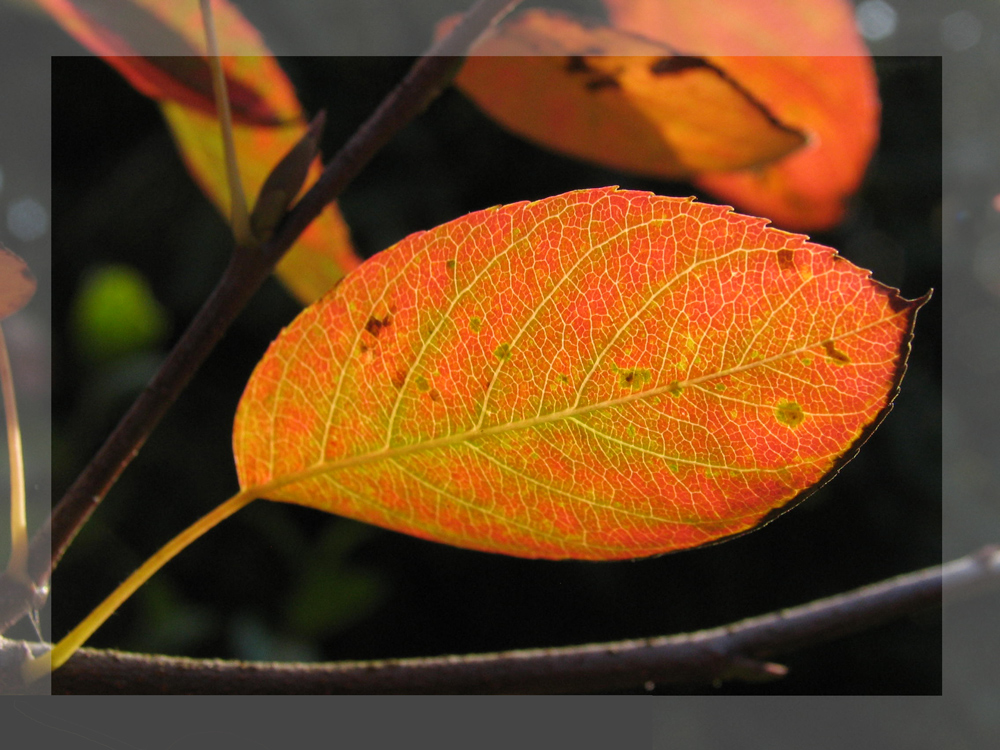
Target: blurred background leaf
115,313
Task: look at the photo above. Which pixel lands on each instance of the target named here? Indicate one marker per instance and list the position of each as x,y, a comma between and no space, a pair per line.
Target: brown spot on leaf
577,64
399,378
634,378
374,326
786,259
665,66
601,82
435,396
835,354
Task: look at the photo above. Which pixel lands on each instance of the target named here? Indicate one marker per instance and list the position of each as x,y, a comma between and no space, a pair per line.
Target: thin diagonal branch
733,652
244,275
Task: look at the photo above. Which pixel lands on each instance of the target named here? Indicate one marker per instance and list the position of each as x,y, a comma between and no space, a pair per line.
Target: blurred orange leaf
159,48
601,374
596,93
807,63
17,285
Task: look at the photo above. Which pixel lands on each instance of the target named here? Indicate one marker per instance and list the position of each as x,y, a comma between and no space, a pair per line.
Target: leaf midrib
568,413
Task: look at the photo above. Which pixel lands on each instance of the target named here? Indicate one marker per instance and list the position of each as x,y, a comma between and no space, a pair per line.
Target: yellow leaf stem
33,669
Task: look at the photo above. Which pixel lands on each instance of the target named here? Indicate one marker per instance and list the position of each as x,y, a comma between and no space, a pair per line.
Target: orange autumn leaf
807,63
601,374
17,284
596,93
159,48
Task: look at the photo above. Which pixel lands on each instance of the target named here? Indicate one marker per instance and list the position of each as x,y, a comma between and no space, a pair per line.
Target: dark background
283,582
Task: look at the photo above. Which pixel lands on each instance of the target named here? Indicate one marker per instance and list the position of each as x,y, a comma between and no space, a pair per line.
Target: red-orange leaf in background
596,93
159,48
602,374
17,285
808,64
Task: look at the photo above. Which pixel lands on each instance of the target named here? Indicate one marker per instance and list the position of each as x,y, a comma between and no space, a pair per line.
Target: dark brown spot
399,378
600,82
835,354
634,378
786,259
363,347
435,396
374,326
577,64
670,65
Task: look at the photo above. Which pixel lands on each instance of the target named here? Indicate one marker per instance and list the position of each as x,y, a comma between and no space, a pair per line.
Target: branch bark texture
738,651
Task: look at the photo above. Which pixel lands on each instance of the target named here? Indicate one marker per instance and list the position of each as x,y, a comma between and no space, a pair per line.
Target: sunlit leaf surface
601,374
596,93
807,63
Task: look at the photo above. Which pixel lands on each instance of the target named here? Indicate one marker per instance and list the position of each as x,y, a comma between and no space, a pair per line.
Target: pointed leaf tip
601,374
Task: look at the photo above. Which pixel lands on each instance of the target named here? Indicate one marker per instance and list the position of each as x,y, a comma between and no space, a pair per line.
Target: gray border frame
967,715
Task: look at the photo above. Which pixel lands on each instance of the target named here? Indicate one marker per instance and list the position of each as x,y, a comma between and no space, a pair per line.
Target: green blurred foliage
115,313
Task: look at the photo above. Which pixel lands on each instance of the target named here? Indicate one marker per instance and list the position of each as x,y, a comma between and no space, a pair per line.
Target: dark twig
245,274
734,652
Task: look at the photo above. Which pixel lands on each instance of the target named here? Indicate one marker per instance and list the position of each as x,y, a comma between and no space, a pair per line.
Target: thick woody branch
733,652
